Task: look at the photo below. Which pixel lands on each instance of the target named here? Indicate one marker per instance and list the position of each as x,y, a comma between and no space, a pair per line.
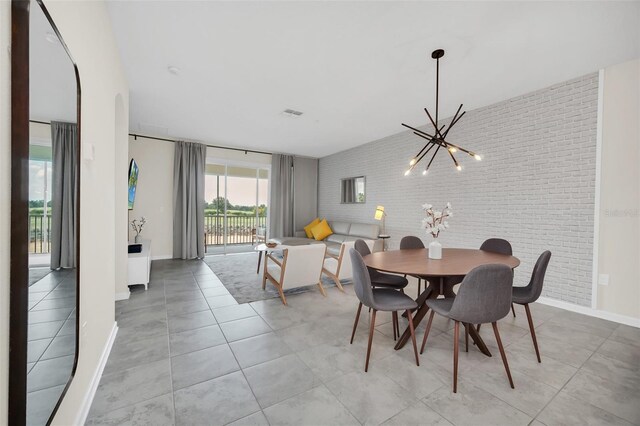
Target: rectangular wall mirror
352,190
45,217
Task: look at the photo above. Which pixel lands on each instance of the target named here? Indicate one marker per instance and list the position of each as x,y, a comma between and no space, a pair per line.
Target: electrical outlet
603,279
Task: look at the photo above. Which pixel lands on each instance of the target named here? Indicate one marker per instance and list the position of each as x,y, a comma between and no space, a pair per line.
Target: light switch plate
88,151
603,279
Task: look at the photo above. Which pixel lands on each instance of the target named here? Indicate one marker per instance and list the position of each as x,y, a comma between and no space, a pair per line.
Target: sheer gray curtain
188,200
348,190
64,143
281,215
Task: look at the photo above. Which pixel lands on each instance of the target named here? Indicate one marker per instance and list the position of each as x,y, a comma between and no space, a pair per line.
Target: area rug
238,274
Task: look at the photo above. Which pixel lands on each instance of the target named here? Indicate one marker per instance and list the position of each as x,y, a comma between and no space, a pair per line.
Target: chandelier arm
417,130
425,153
453,120
455,162
434,156
435,126
453,123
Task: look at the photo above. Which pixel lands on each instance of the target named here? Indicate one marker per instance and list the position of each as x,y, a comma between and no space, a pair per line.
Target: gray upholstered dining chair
531,292
484,296
381,280
378,299
498,245
412,242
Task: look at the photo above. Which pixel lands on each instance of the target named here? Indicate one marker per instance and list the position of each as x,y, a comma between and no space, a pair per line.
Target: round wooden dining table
442,275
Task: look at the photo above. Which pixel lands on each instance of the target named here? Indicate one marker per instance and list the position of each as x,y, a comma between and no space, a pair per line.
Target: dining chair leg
413,337
502,354
394,318
355,323
456,334
397,326
419,286
426,331
371,330
513,310
533,332
466,337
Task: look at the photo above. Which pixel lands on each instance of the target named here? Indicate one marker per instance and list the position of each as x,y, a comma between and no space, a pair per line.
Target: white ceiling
52,78
356,69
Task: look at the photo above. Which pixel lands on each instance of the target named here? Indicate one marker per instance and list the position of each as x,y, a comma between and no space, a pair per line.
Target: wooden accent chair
300,266
339,267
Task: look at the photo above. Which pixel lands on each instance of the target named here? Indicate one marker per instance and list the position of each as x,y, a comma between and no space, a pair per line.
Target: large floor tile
556,348
130,352
417,415
202,365
220,301
305,336
371,397
255,419
570,336
566,410
35,349
193,340
317,406
473,406
40,404
49,373
155,411
620,351
606,394
259,349
627,335
244,328
190,321
613,369
550,371
215,291
402,369
187,307
60,346
233,312
274,381
137,384
330,361
44,330
215,402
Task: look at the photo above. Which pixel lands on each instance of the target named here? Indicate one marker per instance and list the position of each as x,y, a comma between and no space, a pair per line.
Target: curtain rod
136,136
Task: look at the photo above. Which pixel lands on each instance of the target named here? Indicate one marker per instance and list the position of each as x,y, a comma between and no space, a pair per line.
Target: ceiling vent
291,113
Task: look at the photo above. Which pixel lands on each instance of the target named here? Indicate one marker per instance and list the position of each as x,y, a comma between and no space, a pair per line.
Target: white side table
140,265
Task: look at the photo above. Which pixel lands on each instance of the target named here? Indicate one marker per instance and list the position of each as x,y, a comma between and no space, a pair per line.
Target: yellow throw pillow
321,230
309,227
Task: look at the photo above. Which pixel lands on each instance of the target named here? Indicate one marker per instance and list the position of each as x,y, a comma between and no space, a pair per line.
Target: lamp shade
379,213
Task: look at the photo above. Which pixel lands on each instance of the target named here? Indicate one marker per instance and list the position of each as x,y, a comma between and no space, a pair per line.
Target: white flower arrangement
138,225
436,220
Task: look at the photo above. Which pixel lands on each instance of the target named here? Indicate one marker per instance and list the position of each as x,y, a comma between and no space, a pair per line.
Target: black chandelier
438,139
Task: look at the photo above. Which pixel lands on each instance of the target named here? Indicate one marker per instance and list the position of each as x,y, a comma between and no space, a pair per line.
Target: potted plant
434,223
137,225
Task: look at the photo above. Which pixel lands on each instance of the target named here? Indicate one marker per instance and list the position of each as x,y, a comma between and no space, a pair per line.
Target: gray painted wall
534,187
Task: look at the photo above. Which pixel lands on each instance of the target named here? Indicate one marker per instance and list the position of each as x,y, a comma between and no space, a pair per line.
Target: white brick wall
534,187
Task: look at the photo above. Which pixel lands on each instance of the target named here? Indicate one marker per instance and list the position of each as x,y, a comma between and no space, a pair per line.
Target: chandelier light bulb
407,172
413,161
424,172
452,150
477,157
459,167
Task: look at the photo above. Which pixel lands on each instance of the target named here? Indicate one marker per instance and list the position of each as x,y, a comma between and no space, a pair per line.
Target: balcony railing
240,229
39,234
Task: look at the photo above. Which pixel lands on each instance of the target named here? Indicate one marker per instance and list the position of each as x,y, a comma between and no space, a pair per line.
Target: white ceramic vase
138,239
435,249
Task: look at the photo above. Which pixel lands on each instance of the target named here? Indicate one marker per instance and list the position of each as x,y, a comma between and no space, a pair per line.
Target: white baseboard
622,319
95,380
123,296
162,257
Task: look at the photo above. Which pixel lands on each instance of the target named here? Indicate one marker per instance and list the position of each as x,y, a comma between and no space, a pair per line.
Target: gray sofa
342,231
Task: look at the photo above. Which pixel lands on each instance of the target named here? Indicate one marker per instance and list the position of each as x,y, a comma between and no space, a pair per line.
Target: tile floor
51,340
187,354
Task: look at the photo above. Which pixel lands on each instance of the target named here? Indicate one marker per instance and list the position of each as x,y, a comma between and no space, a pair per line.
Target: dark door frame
19,247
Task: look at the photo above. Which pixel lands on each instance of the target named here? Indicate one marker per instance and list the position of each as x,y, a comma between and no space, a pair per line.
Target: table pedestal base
437,286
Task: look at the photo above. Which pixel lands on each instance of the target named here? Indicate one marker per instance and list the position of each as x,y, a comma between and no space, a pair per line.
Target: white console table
140,265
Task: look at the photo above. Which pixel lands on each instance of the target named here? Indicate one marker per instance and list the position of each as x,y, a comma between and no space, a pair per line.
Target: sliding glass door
236,200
